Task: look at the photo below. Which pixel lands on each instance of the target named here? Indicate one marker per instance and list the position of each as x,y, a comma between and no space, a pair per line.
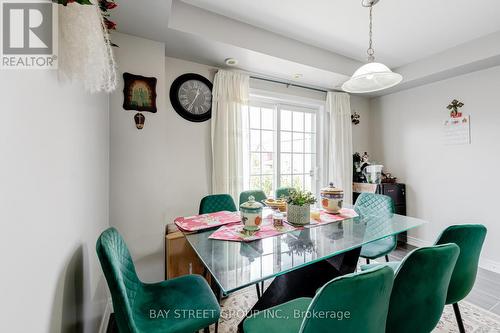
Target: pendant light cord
371,51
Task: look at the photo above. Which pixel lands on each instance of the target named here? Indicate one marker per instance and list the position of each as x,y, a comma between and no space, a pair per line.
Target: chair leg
217,326
460,322
367,261
387,258
262,287
258,289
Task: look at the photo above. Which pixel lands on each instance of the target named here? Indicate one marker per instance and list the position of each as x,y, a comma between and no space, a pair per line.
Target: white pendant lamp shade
371,77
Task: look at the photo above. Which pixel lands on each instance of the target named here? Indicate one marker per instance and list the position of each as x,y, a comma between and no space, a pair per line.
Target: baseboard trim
487,264
490,265
105,317
417,242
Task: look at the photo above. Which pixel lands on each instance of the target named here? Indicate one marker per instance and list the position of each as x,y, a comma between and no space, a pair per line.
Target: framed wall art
139,93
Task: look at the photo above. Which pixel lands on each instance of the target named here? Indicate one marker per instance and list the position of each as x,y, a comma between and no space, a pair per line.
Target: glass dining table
297,262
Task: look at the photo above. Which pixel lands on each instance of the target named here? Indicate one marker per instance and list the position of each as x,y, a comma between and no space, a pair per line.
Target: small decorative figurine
355,118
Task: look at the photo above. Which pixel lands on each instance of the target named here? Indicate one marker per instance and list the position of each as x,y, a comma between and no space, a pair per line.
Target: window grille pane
267,163
267,141
255,163
286,181
298,181
286,120
308,163
298,142
307,183
308,122
267,185
254,116
268,119
298,121
255,140
286,142
254,182
298,163
309,143
286,163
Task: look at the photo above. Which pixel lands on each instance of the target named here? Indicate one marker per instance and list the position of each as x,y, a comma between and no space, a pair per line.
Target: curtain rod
288,84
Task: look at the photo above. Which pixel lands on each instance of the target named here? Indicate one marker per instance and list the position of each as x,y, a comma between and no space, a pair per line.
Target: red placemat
236,233
207,221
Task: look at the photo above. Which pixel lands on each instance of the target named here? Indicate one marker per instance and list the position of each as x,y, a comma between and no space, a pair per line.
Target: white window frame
278,102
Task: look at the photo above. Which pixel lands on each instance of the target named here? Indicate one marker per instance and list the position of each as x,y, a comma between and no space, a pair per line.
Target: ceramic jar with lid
251,214
332,199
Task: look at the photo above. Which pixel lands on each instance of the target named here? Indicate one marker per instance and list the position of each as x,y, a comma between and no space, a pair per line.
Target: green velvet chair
470,239
420,287
350,303
257,194
376,205
283,192
217,203
138,305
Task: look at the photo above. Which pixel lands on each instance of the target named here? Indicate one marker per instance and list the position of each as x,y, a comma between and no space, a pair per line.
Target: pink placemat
206,221
325,218
236,233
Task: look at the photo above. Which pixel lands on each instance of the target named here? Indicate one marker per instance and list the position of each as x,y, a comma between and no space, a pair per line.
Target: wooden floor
485,294
486,291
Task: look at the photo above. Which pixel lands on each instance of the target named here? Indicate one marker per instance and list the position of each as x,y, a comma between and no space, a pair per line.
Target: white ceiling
404,31
324,40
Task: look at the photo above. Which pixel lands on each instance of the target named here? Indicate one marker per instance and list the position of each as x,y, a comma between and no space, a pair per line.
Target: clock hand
194,99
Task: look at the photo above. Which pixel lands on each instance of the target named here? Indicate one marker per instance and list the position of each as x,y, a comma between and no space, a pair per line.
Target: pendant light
372,76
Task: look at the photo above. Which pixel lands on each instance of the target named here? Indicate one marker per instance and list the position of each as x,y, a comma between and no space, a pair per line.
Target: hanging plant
106,6
65,2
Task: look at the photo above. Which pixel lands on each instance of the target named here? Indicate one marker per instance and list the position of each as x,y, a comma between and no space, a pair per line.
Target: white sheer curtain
339,143
230,98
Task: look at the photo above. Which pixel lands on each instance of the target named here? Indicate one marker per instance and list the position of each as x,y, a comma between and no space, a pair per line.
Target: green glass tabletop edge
231,290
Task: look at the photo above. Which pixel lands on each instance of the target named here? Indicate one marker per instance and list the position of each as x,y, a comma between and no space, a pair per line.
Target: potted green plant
299,207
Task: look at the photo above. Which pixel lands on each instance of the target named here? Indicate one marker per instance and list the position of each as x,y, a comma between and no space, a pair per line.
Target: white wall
446,184
361,133
162,171
54,145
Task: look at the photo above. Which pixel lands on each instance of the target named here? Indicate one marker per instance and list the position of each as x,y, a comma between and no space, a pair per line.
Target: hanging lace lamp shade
85,51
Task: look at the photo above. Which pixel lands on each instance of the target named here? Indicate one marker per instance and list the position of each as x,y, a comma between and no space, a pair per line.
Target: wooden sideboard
180,258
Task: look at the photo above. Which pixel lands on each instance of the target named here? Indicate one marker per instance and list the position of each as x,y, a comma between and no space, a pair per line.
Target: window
280,147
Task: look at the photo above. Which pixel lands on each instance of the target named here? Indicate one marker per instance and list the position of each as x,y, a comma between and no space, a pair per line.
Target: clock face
191,97
195,97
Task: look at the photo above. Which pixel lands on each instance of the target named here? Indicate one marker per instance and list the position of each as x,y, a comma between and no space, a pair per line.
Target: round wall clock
191,97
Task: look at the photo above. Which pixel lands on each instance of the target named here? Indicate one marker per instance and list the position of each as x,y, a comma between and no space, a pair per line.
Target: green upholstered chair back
371,203
217,203
470,239
283,192
378,207
364,296
121,277
257,194
420,287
